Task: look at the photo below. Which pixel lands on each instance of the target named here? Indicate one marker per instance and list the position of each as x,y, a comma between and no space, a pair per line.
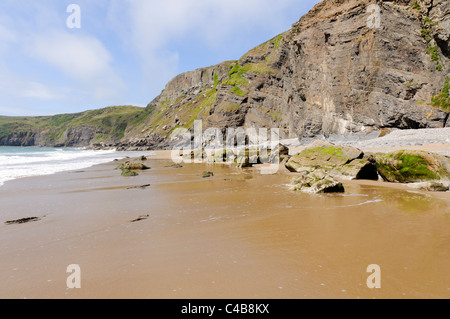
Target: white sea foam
18,162
363,203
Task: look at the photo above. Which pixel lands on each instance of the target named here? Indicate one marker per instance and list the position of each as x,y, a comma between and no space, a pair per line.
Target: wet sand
238,234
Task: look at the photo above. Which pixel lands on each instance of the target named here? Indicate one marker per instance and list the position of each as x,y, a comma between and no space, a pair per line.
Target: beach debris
129,173
22,221
140,187
142,158
140,218
207,174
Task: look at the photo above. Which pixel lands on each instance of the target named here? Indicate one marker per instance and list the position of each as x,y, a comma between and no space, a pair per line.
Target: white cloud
156,23
82,57
16,86
152,27
38,91
45,65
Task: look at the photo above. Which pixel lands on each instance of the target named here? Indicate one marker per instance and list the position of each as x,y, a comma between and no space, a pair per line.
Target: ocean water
18,162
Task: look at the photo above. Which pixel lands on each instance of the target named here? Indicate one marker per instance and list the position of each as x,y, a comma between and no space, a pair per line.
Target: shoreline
54,165
165,155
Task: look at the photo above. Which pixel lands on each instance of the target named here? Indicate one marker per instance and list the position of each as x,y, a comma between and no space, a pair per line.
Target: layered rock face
22,139
335,72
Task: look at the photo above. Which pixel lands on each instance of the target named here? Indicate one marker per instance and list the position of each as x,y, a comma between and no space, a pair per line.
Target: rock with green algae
411,166
207,174
129,173
246,158
316,182
133,166
337,161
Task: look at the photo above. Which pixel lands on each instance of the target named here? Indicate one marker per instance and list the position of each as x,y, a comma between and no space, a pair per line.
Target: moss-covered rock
129,173
218,156
133,166
246,158
316,182
207,174
338,161
408,166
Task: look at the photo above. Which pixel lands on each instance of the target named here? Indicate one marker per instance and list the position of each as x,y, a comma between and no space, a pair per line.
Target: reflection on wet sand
237,234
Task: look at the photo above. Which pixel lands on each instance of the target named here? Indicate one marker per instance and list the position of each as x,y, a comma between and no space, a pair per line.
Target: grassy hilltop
107,125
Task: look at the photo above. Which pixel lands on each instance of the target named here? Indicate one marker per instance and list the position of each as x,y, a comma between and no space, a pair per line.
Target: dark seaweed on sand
22,220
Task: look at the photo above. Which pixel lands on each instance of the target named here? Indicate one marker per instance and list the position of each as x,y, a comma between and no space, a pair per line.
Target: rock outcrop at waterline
320,165
413,166
332,73
316,182
338,161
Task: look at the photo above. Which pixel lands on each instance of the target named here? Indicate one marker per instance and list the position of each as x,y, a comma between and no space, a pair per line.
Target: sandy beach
238,234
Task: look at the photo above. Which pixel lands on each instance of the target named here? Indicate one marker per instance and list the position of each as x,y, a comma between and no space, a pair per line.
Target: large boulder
337,161
316,182
133,166
413,166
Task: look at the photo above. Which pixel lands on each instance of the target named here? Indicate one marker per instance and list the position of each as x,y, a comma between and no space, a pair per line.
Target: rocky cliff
348,67
334,72
105,127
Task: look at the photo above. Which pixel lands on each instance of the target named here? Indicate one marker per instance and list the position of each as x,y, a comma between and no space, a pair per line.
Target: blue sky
126,50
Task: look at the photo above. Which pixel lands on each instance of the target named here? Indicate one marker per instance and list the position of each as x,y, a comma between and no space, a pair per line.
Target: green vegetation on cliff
432,50
108,124
442,99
